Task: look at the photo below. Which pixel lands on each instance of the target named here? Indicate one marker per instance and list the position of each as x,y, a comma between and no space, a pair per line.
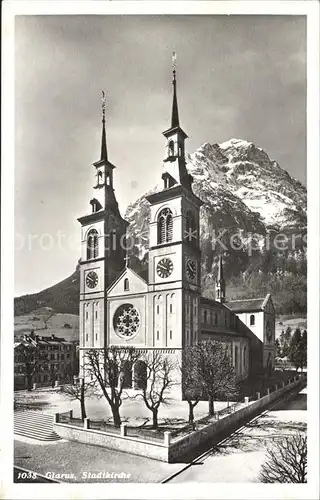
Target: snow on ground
131,411
239,458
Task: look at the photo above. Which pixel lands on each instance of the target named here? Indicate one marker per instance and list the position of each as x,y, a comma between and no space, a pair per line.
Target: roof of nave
143,273
247,305
211,302
221,331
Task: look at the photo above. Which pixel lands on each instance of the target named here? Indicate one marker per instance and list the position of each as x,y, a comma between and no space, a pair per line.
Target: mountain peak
236,143
243,191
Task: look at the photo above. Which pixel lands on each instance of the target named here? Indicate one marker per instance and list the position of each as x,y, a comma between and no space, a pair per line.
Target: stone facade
165,311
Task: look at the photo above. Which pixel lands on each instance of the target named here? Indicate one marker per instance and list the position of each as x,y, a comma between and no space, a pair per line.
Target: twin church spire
105,197
175,171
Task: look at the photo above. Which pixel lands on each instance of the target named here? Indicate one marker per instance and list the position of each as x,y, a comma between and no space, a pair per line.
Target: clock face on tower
164,268
91,279
191,269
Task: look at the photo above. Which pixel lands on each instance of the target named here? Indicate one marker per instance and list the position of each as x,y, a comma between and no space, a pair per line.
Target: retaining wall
170,449
134,446
181,446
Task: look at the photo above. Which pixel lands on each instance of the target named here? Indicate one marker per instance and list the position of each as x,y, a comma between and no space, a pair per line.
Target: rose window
126,321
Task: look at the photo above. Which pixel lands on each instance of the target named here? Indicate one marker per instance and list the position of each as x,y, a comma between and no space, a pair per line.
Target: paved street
239,458
82,462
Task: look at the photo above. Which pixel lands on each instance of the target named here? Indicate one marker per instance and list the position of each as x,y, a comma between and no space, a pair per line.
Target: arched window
92,244
226,319
171,148
126,373
99,177
205,316
191,227
244,356
140,375
215,318
126,285
108,179
112,373
252,320
236,361
165,224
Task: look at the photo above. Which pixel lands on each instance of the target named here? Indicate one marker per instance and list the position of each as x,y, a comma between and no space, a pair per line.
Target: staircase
34,425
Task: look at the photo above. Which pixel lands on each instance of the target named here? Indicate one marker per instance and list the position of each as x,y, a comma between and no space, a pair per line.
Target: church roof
247,305
142,273
211,302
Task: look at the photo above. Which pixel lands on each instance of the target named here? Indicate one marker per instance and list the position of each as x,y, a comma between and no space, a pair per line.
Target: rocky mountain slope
248,198
241,187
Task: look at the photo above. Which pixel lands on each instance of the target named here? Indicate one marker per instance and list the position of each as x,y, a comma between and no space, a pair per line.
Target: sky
238,76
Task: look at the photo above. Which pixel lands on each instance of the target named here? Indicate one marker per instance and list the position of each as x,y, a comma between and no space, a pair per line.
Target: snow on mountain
242,189
239,167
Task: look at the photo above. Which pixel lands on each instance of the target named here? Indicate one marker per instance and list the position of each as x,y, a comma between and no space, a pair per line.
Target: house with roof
44,361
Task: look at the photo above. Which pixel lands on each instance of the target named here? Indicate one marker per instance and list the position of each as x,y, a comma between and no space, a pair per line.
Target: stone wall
181,446
134,446
170,449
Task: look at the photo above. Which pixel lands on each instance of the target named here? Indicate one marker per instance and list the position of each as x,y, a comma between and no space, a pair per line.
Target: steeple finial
220,283
175,114
104,153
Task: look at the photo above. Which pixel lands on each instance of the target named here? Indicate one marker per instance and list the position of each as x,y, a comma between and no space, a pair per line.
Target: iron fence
102,425
148,434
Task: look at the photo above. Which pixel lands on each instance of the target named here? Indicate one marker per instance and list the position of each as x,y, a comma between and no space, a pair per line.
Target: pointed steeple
220,270
104,197
220,283
175,113
175,171
104,152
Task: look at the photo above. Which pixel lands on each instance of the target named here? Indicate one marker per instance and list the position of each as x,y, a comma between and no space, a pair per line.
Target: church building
164,311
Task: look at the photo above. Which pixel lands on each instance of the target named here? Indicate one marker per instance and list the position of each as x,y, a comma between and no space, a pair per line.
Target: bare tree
79,391
192,385
286,461
108,367
45,316
215,371
33,359
159,380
